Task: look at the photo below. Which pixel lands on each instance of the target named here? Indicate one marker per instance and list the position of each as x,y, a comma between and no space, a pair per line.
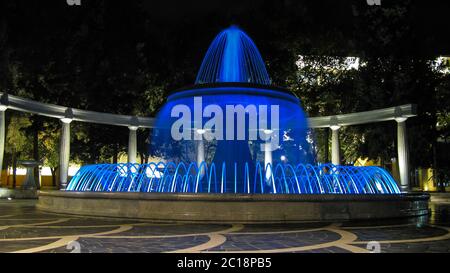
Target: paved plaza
23,228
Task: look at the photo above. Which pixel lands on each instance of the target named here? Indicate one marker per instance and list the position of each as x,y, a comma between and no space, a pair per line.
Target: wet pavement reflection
23,228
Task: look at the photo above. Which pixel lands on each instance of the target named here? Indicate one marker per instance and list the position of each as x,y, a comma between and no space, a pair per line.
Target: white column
335,150
198,134
200,145
132,144
268,160
200,151
64,152
2,136
403,156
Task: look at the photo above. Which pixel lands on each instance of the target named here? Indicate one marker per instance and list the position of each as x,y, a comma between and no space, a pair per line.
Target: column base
405,189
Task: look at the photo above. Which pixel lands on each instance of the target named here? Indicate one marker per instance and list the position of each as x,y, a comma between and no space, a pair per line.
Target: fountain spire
233,57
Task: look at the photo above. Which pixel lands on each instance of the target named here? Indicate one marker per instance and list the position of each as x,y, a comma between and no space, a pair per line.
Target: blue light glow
224,165
203,178
233,57
293,127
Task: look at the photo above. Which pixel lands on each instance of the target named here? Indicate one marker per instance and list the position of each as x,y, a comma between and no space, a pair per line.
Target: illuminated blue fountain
234,133
284,178
233,57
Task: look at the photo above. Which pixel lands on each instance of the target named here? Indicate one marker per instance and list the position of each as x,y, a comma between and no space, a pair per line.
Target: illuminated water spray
233,57
233,132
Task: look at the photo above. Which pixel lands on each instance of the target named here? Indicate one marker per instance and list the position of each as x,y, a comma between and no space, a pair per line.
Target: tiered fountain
236,148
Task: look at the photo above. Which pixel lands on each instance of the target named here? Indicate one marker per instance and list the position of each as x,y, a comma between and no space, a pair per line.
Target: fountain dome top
233,57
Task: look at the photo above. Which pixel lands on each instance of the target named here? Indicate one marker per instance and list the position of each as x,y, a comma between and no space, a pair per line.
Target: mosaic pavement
25,229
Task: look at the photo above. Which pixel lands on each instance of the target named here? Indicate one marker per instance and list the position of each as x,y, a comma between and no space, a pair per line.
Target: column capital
66,120
134,123
335,127
400,119
4,101
334,124
68,116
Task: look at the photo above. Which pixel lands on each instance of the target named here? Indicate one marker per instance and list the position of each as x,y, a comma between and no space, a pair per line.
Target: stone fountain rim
231,208
231,197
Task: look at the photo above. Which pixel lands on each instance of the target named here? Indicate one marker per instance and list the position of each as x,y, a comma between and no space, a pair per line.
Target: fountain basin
234,208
